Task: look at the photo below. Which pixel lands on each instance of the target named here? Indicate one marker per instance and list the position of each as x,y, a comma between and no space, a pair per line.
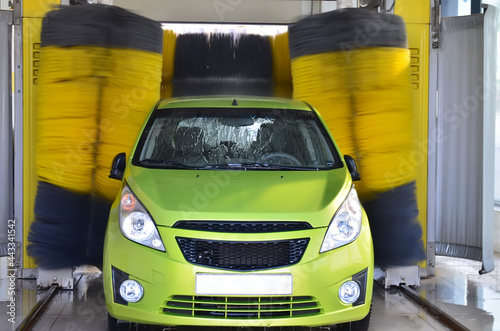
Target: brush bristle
222,64
66,225
397,236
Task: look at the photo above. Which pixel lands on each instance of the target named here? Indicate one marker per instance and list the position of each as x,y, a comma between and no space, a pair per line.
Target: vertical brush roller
100,73
353,66
282,71
169,43
135,51
222,64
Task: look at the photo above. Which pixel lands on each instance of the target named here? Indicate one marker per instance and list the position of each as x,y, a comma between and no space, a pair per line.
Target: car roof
229,102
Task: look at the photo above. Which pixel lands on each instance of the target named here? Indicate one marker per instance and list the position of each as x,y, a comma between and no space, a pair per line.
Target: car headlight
345,225
135,222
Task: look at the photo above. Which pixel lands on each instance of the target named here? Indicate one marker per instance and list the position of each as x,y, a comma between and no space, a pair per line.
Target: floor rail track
40,307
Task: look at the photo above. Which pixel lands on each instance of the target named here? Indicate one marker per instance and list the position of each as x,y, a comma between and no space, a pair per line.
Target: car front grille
250,255
242,226
241,307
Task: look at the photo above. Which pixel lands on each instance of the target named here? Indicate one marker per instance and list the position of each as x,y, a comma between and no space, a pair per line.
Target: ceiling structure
227,11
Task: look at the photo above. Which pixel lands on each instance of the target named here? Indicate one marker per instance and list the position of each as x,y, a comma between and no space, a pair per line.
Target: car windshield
226,138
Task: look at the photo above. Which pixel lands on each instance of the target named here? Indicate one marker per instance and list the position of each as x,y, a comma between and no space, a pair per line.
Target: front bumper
169,282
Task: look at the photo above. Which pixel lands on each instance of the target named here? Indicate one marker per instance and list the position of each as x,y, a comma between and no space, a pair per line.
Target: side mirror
352,167
118,166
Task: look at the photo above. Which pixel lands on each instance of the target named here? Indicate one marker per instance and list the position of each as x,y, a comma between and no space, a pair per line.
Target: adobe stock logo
224,6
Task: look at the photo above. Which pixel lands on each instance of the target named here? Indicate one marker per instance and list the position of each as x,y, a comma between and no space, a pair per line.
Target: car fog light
349,292
131,291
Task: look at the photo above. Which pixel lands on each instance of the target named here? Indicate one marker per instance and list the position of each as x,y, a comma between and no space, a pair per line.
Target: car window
213,138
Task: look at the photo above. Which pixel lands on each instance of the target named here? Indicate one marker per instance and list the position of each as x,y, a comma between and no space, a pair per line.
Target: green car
237,211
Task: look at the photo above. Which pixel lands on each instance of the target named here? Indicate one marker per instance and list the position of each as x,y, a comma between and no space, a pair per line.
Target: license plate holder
258,284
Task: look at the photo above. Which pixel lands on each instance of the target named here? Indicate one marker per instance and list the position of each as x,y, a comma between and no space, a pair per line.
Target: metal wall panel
6,159
489,96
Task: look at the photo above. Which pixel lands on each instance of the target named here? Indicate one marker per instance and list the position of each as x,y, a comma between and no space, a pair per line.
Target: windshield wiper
221,166
164,163
248,165
255,165
291,167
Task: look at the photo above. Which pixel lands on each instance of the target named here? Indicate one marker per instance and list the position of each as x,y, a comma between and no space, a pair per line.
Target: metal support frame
6,182
17,104
396,276
62,277
433,141
45,278
489,113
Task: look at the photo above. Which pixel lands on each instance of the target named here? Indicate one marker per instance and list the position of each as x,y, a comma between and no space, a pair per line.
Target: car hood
174,195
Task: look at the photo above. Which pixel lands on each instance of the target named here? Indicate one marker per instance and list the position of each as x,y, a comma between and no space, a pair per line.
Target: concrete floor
457,289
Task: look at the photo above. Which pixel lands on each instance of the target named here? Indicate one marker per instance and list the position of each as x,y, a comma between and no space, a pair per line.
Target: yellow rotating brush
282,71
353,66
169,43
100,74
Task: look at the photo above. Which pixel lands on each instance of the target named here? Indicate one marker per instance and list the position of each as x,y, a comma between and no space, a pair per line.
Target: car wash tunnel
249,165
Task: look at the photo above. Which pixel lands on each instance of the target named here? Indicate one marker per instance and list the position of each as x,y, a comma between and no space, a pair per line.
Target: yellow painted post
416,14
414,11
33,12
